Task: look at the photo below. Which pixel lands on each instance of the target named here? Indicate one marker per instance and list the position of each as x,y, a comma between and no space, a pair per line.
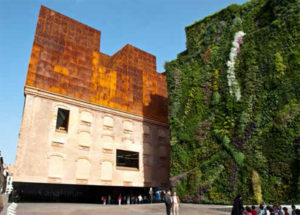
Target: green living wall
234,108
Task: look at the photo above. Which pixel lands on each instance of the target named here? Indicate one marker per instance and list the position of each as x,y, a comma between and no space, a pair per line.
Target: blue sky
156,26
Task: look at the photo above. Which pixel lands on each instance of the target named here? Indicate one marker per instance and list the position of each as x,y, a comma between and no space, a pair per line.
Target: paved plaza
93,209
98,209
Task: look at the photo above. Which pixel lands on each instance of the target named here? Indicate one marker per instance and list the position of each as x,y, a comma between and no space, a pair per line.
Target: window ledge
84,147
127,168
54,176
57,144
86,123
61,131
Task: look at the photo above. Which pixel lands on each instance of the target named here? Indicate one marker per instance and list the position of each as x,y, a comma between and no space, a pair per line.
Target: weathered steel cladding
65,59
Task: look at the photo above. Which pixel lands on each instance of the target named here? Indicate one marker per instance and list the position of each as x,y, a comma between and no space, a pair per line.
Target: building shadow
156,147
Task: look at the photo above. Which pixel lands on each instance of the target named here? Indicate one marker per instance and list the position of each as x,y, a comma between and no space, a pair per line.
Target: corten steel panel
65,59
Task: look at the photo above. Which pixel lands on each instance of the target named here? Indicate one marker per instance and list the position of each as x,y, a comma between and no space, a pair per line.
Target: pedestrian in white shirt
140,198
175,204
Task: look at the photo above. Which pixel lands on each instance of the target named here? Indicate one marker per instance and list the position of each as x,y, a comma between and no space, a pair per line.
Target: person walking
237,208
168,202
175,204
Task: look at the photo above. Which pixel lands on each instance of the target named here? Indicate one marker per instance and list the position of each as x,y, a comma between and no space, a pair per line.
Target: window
106,171
62,120
128,126
127,159
55,166
146,129
84,139
83,169
107,142
108,121
86,117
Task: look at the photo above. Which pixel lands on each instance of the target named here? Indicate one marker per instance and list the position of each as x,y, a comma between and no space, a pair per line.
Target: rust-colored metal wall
65,59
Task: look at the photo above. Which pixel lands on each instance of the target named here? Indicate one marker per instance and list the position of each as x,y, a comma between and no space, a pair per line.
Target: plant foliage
251,144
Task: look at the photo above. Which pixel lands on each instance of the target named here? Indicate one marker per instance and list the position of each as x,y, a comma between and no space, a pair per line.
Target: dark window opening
62,120
127,159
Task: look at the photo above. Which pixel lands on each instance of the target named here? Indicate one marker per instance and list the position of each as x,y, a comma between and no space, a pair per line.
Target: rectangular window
127,159
62,120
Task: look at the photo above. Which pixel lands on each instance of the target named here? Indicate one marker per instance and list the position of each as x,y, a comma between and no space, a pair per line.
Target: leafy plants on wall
234,108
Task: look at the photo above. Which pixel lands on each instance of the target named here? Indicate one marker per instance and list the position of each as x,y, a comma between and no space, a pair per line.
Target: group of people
172,203
263,209
270,210
126,199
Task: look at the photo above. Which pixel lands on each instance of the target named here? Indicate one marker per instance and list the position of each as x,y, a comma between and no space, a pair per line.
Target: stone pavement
93,209
98,209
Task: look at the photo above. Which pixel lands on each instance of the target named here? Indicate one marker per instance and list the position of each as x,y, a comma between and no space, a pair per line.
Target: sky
155,26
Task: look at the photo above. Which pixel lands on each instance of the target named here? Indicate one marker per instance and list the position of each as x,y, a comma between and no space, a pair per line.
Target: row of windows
56,168
123,159
62,120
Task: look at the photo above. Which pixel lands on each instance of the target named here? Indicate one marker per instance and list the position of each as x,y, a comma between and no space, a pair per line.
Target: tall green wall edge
234,108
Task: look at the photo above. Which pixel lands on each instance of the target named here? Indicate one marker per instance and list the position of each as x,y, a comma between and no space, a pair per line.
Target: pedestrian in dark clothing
293,209
237,208
168,202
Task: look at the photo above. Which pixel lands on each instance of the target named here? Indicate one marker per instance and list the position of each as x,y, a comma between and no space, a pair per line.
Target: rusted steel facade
65,59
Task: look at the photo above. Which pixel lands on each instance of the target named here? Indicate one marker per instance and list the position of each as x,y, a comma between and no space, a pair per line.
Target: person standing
168,202
109,199
175,204
254,212
262,210
248,211
162,195
293,210
140,199
132,199
104,200
119,199
275,210
237,208
151,194
128,199
286,211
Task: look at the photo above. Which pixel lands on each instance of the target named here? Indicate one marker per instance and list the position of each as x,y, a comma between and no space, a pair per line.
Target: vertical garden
234,108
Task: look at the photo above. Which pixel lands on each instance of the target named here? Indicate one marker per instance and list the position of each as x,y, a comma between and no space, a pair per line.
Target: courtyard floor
94,209
91,209
98,209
